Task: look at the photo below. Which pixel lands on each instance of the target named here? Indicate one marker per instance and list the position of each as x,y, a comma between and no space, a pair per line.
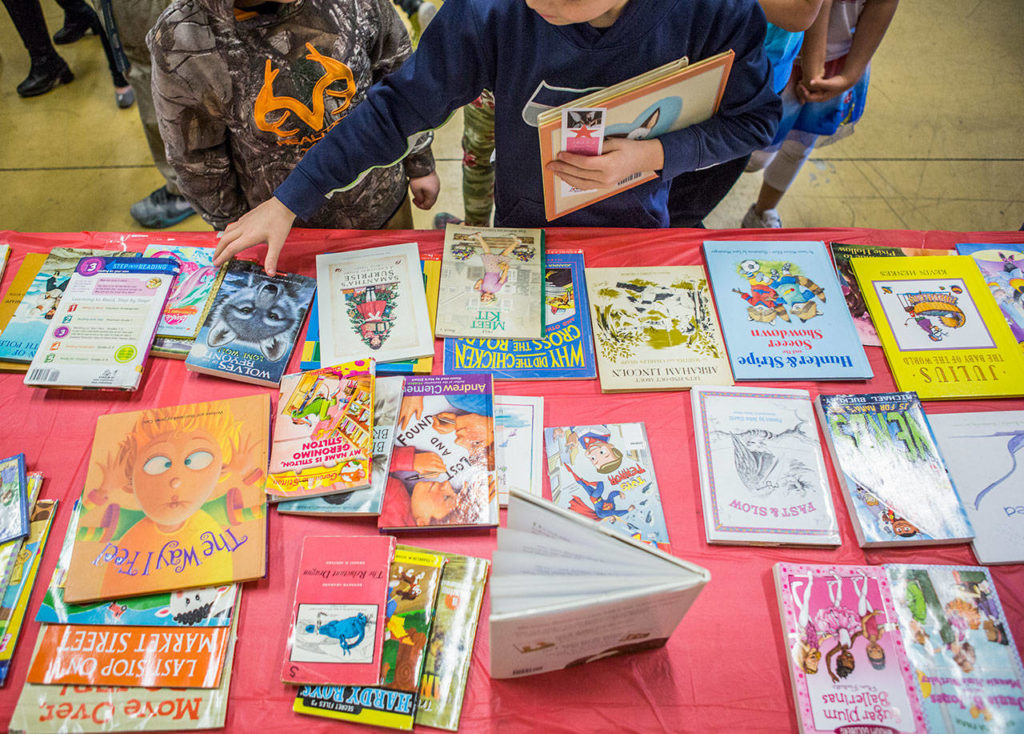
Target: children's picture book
168,348
605,473
762,474
337,626
14,504
363,502
655,329
566,590
16,291
191,291
582,134
566,352
942,332
892,475
173,499
442,462
518,445
782,311
846,661
492,283
450,648
373,304
984,457
252,325
323,432
662,100
10,550
967,666
1003,269
101,331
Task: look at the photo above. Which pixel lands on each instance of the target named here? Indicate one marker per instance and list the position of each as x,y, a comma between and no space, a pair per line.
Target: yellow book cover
173,499
943,334
30,267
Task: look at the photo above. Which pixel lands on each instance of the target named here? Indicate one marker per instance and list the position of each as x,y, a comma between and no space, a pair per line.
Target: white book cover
372,303
762,473
984,455
518,445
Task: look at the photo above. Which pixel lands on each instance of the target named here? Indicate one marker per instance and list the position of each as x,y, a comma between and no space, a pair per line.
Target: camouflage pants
477,169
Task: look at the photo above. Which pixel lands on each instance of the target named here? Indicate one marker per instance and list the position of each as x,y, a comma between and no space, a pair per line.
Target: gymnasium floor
941,145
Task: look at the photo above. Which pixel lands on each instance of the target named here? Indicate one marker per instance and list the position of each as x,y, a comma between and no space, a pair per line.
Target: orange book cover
72,654
173,499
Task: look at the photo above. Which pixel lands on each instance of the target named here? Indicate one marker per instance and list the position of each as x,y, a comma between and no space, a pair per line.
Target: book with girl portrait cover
1003,269
846,661
173,499
442,461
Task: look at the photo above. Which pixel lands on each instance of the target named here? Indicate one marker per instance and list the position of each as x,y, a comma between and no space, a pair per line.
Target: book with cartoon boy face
173,499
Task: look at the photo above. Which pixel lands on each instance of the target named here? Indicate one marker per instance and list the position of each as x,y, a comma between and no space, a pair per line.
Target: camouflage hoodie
241,95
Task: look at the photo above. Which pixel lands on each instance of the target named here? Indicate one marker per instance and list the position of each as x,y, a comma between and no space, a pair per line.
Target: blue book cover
783,313
565,353
1003,268
13,498
252,325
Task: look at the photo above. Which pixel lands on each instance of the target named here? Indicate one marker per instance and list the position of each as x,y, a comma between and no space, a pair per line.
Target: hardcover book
566,590
942,332
605,473
10,550
14,504
891,472
337,626
846,661
518,445
492,283
1003,269
22,281
655,329
762,474
984,457
961,650
442,462
252,325
323,432
173,499
565,353
782,312
191,291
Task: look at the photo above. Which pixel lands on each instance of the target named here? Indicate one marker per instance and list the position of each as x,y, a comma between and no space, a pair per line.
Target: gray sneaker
768,219
161,209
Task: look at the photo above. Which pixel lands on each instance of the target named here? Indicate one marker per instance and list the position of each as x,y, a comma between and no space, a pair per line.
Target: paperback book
518,445
1002,266
168,348
191,291
14,504
762,474
5,253
605,473
16,291
892,475
782,312
655,329
10,550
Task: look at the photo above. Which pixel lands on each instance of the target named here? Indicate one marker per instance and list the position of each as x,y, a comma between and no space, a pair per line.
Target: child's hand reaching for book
621,158
270,222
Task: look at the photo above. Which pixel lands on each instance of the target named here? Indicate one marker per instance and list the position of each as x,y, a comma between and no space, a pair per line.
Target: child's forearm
791,15
871,27
812,54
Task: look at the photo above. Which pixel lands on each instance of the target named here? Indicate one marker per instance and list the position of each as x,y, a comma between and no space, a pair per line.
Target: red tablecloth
724,668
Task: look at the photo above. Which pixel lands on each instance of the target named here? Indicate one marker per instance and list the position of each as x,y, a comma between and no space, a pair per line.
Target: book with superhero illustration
492,284
783,313
411,603
450,648
892,475
173,499
762,473
16,291
442,461
1003,269
942,332
14,504
102,328
984,454
373,304
605,473
566,590
10,550
337,625
847,665
363,502
191,291
963,656
252,326
518,445
323,432
655,329
566,352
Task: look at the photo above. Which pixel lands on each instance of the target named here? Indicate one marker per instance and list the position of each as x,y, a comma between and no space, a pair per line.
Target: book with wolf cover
173,499
847,665
323,432
16,291
656,329
967,666
941,330
191,291
14,504
1003,269
337,625
662,100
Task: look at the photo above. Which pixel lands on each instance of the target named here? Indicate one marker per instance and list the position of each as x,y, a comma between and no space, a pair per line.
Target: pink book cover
847,664
338,616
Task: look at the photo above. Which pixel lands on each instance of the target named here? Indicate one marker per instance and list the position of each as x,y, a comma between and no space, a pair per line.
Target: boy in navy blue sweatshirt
537,54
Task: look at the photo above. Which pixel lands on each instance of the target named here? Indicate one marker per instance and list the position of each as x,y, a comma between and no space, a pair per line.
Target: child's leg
477,170
782,171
